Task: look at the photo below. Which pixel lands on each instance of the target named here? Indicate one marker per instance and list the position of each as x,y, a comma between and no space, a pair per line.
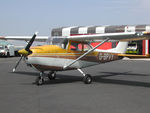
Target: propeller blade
14,69
27,48
26,51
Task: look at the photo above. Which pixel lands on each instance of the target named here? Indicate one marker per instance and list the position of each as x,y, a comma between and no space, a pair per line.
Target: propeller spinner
26,51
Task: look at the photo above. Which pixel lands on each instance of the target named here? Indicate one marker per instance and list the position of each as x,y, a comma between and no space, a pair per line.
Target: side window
79,46
75,46
86,47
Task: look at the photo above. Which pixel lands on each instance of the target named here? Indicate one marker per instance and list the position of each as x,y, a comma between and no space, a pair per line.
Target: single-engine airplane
71,49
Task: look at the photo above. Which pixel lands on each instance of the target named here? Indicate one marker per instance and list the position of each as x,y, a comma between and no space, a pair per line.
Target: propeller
26,51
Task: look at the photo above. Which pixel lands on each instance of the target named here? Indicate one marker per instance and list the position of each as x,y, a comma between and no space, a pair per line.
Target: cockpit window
79,46
62,42
75,46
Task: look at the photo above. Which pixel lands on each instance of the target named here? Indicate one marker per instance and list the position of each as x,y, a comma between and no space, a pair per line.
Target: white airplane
71,49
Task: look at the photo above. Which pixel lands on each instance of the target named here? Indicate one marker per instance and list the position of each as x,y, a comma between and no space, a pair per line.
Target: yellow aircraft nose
23,52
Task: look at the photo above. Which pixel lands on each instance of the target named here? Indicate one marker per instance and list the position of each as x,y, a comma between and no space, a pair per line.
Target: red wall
105,46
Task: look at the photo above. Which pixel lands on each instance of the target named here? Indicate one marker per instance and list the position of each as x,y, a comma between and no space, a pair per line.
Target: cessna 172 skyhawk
71,49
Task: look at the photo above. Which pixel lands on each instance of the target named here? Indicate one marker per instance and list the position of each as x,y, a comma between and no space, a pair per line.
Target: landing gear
87,79
52,75
40,79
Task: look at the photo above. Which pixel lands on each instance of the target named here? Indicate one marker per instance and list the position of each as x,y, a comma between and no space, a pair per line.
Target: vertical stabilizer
121,47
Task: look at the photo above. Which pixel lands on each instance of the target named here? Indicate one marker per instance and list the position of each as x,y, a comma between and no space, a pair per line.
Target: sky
24,17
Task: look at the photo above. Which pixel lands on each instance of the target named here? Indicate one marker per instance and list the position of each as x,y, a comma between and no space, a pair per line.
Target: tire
52,75
87,79
39,81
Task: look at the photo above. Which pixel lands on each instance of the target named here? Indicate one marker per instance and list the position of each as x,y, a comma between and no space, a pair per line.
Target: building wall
146,47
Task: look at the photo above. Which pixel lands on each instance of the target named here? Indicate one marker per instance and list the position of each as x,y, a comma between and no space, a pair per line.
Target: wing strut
65,67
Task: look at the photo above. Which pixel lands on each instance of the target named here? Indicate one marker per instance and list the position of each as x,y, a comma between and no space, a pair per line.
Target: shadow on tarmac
26,73
129,73
62,79
103,79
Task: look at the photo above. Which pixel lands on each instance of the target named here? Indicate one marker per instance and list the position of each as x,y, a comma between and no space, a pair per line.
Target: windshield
62,42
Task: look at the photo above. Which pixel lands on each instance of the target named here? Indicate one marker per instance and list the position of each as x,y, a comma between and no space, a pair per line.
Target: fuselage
53,57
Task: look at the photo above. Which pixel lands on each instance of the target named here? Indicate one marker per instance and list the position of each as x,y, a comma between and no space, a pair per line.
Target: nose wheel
40,80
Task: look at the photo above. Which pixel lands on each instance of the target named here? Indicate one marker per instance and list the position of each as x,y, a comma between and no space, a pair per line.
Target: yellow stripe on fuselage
54,50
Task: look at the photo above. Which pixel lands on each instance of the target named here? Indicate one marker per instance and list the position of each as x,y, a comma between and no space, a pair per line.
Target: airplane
74,52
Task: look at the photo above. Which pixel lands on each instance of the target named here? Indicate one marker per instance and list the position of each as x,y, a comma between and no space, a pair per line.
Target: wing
124,36
26,38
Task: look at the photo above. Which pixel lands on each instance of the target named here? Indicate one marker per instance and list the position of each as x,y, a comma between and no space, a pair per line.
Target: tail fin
120,48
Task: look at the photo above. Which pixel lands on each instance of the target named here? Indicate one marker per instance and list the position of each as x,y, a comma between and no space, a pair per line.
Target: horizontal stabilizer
134,56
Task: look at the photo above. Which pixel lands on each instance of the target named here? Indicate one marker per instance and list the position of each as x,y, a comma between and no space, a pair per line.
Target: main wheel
39,81
87,79
52,75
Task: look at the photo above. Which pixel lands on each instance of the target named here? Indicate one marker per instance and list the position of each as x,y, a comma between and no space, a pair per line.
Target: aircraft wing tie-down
44,61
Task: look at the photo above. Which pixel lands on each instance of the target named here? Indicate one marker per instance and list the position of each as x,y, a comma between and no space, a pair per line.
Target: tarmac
118,87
